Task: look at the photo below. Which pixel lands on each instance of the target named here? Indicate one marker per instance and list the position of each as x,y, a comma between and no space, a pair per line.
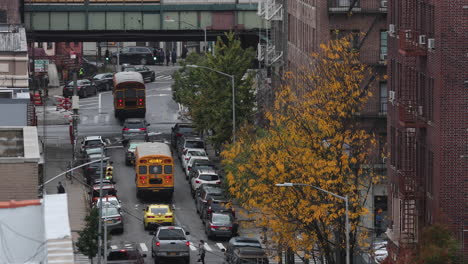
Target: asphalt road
97,118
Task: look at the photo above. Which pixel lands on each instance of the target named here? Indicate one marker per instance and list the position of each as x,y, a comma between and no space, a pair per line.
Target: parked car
201,177
130,151
181,129
237,242
247,254
190,142
93,150
104,81
156,215
198,163
84,87
113,219
107,190
134,55
170,242
216,203
204,192
134,128
125,252
92,173
109,201
189,153
220,225
147,74
92,142
187,168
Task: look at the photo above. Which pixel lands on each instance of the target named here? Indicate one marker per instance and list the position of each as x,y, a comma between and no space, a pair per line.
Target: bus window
119,94
155,169
130,93
142,169
140,93
168,169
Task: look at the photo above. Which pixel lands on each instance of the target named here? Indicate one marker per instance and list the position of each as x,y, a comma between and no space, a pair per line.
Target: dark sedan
104,81
148,75
85,87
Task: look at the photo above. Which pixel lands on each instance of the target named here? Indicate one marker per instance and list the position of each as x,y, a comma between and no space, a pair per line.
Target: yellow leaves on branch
312,138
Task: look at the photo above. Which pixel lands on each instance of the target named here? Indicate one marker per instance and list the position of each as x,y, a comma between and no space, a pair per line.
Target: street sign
41,65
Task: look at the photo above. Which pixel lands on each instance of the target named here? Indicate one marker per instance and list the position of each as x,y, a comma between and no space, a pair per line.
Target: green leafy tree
87,243
208,95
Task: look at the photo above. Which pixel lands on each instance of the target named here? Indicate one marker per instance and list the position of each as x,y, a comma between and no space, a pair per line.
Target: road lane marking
143,247
221,246
207,247
159,95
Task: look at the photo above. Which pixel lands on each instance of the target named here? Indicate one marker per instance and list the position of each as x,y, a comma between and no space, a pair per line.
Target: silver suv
170,242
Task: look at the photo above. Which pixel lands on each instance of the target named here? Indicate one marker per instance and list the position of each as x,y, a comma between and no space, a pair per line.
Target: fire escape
411,44
269,51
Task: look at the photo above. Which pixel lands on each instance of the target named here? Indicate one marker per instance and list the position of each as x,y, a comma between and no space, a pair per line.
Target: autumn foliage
313,137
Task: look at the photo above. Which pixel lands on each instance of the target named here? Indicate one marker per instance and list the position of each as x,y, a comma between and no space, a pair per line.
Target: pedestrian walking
161,56
201,252
60,188
168,57
184,52
174,57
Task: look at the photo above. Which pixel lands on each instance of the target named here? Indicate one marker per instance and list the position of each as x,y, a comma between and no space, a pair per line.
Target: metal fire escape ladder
351,6
268,52
374,22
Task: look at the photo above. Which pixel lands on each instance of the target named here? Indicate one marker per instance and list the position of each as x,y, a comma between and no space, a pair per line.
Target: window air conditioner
384,4
391,29
431,43
391,96
422,39
383,57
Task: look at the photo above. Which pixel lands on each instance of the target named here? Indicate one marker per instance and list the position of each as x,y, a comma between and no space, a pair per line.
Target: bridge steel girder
93,22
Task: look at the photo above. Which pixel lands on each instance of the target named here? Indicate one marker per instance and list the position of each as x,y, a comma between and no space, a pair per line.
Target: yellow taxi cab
156,215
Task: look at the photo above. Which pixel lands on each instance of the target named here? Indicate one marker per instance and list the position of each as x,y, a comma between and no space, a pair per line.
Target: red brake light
125,129
143,129
120,100
178,135
210,211
158,244
187,243
197,181
214,227
150,217
189,168
230,228
140,100
122,250
168,177
142,177
187,158
168,216
119,218
218,182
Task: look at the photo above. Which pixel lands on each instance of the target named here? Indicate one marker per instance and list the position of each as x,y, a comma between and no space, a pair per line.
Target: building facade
312,22
427,119
10,12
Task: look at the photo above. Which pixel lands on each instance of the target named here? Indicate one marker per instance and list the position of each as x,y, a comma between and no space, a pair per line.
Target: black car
135,55
181,129
125,252
200,164
238,242
104,81
147,74
85,87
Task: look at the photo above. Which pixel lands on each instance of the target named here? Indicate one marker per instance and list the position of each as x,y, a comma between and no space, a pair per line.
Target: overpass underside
138,21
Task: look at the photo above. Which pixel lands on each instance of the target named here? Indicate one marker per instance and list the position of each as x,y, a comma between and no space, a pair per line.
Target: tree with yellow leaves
313,137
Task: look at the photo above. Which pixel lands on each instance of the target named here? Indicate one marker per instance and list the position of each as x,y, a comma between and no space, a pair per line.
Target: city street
97,118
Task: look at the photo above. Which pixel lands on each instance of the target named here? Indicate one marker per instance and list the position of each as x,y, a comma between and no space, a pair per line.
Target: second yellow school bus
154,169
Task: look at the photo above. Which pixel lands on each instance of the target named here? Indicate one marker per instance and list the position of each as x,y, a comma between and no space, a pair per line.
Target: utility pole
75,106
118,57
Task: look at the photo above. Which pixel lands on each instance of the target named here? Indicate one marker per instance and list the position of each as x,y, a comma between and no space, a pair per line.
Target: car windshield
208,177
109,211
94,156
99,76
186,130
78,82
159,210
194,144
171,234
128,69
109,203
221,219
93,143
253,260
206,167
122,255
133,146
199,153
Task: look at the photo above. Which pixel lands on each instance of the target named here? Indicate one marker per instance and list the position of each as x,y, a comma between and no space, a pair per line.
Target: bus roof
153,148
123,77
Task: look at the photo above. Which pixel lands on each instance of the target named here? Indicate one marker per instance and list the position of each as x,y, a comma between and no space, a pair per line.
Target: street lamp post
345,198
233,96
204,29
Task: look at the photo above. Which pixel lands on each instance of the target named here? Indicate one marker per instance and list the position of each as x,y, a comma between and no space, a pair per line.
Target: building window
353,34
383,97
49,45
383,43
430,99
3,16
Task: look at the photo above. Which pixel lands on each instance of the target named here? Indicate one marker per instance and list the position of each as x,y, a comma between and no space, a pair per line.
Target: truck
170,242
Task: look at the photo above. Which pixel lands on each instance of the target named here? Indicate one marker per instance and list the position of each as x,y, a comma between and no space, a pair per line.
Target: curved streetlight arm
207,68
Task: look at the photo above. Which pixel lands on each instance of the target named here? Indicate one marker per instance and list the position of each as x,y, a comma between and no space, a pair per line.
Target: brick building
20,163
312,22
10,12
427,119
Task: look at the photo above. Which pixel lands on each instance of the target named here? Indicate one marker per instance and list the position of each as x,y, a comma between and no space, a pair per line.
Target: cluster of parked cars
93,149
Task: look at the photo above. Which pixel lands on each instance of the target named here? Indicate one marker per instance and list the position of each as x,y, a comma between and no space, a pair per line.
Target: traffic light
107,55
109,172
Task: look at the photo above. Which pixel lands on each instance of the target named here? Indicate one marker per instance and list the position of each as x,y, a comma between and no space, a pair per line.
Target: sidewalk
52,116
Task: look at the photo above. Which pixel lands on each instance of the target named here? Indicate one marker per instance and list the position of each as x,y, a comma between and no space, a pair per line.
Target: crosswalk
82,259
160,78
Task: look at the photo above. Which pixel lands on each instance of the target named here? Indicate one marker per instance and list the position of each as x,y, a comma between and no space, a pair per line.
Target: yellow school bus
154,169
129,95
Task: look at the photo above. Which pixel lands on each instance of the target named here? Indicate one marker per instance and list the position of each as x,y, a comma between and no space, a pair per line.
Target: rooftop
13,39
19,143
